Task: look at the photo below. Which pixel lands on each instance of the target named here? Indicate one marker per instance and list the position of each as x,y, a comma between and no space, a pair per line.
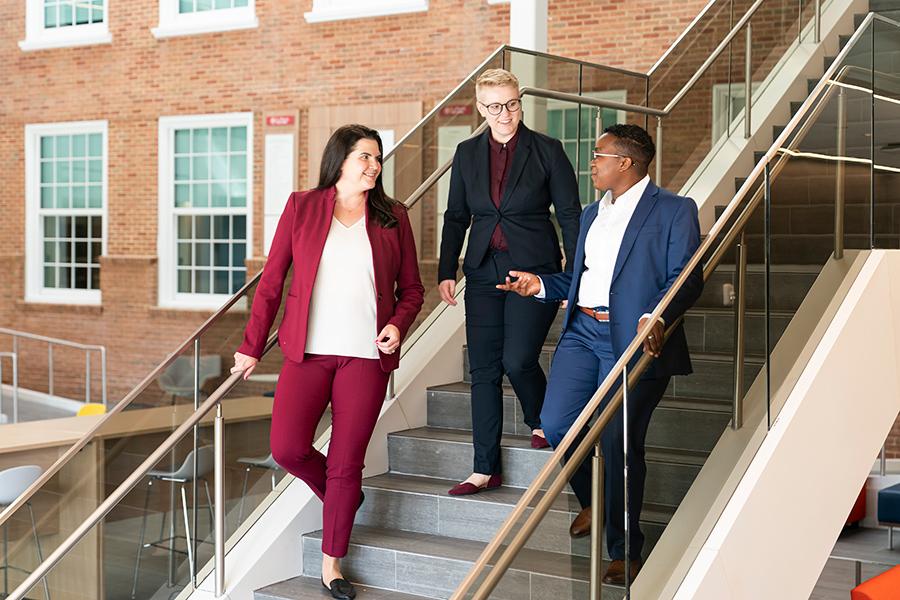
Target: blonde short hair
496,78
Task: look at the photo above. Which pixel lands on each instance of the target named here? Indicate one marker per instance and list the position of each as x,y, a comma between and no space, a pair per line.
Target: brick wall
286,62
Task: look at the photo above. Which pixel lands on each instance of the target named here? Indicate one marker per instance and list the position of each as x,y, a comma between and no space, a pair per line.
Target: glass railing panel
886,136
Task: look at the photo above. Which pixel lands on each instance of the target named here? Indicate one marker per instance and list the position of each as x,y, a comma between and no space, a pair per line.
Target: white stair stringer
763,515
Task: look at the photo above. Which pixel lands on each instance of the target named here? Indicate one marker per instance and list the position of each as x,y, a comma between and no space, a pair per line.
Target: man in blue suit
632,246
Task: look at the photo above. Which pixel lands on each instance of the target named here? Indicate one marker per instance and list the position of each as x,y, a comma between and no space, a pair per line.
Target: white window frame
34,241
338,10
37,37
173,24
168,295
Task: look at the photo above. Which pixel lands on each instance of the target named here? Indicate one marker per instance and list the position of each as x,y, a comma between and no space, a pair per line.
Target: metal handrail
15,383
499,567
51,342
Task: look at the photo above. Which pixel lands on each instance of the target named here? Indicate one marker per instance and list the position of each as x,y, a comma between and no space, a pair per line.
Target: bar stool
258,462
13,483
205,457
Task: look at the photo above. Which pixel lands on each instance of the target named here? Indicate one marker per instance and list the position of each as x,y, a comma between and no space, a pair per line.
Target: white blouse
342,312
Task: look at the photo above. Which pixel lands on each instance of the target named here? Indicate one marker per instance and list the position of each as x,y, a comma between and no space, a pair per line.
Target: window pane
64,277
49,277
219,195
554,123
221,255
81,278
182,141
64,227
238,278
571,123
240,227
200,195
182,195
78,196
96,227
82,15
220,228
95,279
46,147
202,254
219,167
81,227
201,282
81,253
96,251
62,197
202,228
238,194
79,171
79,146
62,146
238,139
182,169
204,5
200,141
49,252
184,281
201,167
95,145
184,227
47,172
50,227
62,171
50,18
220,282
184,254
95,171
95,196
239,166
46,196
220,139
185,6
237,255
64,252
65,15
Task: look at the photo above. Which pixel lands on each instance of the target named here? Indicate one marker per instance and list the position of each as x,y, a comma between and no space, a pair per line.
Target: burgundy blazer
299,240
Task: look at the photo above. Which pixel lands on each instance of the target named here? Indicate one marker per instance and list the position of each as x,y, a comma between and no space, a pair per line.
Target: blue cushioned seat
889,504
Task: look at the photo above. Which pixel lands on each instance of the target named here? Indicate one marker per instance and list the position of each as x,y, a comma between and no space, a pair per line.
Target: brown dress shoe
581,526
615,573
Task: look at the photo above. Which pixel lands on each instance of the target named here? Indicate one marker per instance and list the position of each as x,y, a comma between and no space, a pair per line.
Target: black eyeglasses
495,108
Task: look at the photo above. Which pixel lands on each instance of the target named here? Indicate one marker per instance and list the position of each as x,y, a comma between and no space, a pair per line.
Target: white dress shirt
342,308
602,243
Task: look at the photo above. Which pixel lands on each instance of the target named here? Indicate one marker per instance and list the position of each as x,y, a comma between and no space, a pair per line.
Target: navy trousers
504,334
582,361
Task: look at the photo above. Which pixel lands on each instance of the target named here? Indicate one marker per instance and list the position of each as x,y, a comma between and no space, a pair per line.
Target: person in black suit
502,184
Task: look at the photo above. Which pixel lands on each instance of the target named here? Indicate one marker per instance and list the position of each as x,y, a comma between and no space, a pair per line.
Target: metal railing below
15,387
53,342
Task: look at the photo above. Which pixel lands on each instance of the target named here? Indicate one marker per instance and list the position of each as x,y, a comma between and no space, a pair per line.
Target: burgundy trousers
355,387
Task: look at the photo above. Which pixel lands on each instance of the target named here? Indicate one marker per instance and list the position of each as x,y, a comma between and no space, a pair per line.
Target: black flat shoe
341,589
362,498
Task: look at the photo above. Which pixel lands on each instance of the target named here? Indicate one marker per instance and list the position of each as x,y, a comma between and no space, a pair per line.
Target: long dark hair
338,148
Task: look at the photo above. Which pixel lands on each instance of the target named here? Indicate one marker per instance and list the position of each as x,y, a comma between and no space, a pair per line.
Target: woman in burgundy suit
354,294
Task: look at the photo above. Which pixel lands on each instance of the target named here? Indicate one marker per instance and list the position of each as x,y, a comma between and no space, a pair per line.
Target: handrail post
748,76
15,419
87,377
840,174
15,368
50,368
597,524
740,299
219,503
195,484
882,462
659,150
817,22
103,375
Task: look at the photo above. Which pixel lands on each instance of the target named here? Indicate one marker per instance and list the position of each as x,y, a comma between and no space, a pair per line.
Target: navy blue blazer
660,238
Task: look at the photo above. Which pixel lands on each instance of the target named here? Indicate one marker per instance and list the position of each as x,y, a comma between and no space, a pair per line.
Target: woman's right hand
448,291
244,363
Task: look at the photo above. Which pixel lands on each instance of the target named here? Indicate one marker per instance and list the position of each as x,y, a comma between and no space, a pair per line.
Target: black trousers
505,333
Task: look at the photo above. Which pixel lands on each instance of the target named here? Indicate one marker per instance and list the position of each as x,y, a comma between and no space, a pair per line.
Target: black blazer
540,174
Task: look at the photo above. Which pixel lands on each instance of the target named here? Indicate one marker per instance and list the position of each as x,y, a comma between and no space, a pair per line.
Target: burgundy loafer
467,489
538,442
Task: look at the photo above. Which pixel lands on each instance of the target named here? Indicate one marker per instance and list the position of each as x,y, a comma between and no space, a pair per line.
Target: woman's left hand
389,339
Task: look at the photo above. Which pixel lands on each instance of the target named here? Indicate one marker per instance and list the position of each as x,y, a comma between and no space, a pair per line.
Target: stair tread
431,486
686,403
464,436
303,588
543,562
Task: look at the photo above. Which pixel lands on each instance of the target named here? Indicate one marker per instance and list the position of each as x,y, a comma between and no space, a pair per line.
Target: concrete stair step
449,407
421,504
711,377
447,454
433,566
310,588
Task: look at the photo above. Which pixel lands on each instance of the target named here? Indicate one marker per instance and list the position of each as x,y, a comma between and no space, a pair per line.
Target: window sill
48,43
365,10
61,307
214,26
175,307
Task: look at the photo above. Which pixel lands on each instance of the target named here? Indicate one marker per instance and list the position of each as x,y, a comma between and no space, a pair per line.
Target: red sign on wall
280,121
456,110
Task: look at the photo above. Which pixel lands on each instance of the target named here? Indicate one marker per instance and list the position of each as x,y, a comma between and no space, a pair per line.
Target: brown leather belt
600,316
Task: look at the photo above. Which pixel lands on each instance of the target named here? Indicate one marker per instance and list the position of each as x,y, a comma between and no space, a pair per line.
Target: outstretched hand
526,284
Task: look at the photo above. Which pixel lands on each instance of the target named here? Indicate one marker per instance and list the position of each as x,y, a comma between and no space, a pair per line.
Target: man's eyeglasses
597,155
495,108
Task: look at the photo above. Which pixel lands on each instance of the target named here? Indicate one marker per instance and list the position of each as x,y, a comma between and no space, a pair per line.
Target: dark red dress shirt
501,160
